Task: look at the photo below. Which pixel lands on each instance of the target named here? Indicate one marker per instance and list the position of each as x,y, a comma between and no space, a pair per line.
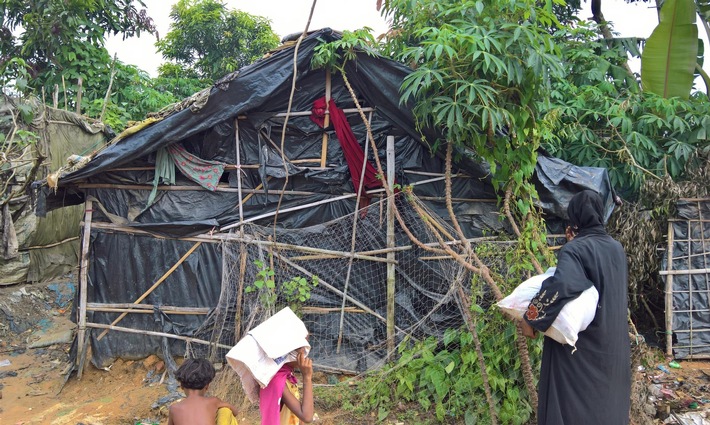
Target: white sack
260,354
574,317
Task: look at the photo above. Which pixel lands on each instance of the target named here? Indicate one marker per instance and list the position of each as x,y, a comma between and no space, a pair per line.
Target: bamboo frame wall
682,263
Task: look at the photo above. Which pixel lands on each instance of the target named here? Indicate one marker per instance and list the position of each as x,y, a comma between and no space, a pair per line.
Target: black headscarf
586,212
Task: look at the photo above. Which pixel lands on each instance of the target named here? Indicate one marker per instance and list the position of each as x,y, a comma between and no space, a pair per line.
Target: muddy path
35,339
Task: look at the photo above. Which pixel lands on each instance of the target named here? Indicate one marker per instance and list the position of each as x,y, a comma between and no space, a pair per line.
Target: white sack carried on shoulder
574,317
254,367
260,354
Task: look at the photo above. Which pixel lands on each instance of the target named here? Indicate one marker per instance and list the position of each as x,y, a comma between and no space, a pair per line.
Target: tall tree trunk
598,17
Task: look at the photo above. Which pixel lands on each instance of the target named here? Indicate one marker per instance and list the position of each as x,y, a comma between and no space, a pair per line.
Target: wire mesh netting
335,276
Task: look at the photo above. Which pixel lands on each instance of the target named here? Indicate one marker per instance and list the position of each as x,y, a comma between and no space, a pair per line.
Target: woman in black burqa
593,385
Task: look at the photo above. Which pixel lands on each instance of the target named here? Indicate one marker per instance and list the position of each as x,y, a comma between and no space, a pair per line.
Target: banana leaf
670,54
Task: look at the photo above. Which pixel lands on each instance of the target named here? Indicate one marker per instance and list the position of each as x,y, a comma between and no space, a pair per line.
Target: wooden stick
147,307
275,145
53,244
305,160
239,170
282,245
155,285
221,188
300,207
391,244
83,280
326,122
669,294
328,310
219,237
256,190
165,310
425,173
307,113
153,333
314,257
442,199
683,272
240,291
150,168
55,96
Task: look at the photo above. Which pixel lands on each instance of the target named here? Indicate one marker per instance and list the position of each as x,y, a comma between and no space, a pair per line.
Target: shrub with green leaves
444,376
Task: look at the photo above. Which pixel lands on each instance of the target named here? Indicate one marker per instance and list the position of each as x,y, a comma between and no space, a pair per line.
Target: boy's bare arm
170,417
304,408
221,404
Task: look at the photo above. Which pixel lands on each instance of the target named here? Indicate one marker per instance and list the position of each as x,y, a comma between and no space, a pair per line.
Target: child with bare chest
196,408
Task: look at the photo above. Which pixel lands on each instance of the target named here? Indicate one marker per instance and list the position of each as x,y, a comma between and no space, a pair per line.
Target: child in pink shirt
279,403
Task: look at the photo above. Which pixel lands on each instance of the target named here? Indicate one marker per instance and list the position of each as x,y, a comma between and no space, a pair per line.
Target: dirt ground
35,336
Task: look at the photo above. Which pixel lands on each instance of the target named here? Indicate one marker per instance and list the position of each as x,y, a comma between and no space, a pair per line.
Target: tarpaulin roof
260,91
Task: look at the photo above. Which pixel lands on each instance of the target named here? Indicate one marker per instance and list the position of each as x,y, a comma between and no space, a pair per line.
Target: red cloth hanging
354,154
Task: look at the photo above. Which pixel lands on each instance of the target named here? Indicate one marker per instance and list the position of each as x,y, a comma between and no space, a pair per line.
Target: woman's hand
528,330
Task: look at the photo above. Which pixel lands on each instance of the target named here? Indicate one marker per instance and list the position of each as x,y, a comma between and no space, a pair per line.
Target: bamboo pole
443,199
55,96
256,190
80,84
326,122
669,294
683,272
52,244
306,160
390,244
297,208
148,307
221,188
237,144
153,333
165,310
308,113
275,145
83,284
219,237
240,290
328,310
155,285
426,173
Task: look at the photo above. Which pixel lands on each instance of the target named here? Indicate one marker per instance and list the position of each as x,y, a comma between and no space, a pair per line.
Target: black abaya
593,385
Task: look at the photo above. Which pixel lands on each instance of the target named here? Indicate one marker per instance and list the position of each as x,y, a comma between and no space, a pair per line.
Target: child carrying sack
265,349
574,317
